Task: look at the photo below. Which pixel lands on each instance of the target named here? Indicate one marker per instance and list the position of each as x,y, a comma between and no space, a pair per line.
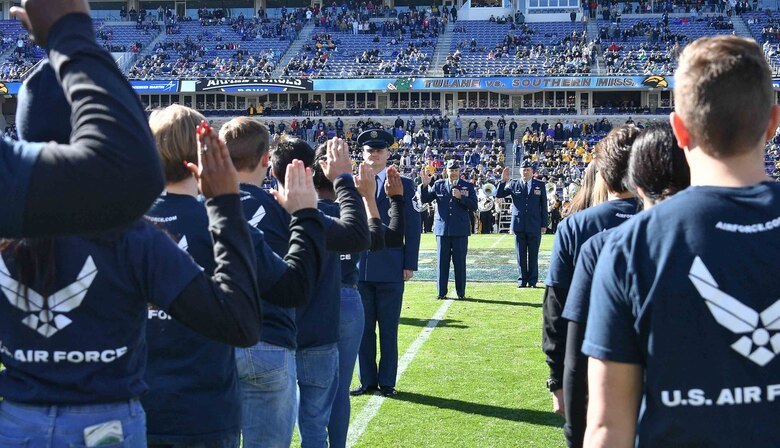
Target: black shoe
362,390
388,392
441,298
461,297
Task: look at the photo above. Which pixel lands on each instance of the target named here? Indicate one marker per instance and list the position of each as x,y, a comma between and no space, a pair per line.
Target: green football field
472,373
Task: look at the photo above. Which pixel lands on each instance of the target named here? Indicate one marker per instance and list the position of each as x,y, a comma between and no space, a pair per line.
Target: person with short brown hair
723,93
682,330
248,141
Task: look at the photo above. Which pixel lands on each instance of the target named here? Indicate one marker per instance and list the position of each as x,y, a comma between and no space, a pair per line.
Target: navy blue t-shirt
16,164
578,299
578,228
350,270
86,343
318,322
263,212
690,291
193,384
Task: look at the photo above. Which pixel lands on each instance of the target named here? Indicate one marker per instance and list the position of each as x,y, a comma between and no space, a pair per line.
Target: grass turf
479,380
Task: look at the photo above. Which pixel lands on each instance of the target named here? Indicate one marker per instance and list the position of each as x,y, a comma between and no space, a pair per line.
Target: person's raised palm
505,175
366,181
393,186
425,177
338,161
299,192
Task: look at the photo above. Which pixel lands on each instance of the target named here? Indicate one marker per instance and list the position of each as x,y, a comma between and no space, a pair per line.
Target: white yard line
369,411
498,241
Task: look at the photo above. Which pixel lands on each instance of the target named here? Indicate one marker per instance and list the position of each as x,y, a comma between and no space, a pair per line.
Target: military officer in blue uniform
383,273
456,199
529,220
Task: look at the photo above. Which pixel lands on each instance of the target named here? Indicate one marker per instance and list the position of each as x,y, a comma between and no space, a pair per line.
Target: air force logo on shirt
257,217
757,343
417,203
183,244
47,313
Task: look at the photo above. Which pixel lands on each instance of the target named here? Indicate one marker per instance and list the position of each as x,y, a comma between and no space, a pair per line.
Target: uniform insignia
757,343
374,134
47,316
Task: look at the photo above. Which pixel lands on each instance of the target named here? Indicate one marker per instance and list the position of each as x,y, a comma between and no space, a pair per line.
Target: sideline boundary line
369,411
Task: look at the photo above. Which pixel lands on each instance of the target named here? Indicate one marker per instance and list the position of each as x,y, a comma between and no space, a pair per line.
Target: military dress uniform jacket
387,265
529,211
452,216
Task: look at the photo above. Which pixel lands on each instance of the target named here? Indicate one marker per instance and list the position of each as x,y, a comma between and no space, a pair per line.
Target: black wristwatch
553,385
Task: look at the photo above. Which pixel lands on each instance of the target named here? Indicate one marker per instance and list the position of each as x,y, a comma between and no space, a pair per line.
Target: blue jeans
268,401
318,372
445,133
231,441
351,324
36,426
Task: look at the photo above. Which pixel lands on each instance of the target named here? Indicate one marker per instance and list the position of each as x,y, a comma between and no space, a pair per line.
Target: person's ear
774,120
680,130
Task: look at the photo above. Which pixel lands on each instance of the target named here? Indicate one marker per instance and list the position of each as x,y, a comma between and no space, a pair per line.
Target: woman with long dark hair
657,170
72,323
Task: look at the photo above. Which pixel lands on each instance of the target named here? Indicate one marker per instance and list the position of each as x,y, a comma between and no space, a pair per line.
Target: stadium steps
148,49
593,34
442,50
740,27
295,47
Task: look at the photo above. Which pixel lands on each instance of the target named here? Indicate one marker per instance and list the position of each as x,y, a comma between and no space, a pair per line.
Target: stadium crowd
156,295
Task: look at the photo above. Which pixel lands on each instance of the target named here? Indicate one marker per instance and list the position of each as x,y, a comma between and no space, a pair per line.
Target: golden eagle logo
3,88
655,81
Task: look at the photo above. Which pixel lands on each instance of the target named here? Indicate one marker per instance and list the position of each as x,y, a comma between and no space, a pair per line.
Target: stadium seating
225,50
486,48
398,47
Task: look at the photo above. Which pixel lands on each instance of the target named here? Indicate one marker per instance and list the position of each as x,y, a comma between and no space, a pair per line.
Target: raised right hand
38,16
299,189
338,161
393,185
505,175
365,182
424,176
214,172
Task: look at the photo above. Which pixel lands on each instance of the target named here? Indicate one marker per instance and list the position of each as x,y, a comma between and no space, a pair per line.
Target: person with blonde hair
657,170
683,320
194,395
78,306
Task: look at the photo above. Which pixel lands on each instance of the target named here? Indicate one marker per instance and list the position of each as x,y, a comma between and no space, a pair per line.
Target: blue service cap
375,139
526,164
453,164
